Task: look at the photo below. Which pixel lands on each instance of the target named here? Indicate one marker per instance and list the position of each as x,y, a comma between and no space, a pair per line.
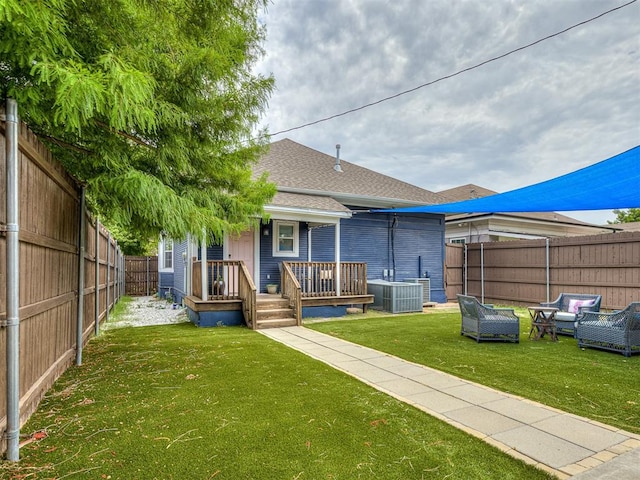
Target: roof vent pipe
337,167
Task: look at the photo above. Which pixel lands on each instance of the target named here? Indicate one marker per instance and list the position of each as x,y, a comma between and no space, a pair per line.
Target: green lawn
600,385
178,402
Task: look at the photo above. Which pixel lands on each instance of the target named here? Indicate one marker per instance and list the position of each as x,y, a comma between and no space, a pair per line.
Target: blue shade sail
610,184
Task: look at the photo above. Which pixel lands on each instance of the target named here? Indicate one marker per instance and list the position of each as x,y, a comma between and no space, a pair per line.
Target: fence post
12,433
80,319
482,270
547,260
147,278
108,305
465,269
97,278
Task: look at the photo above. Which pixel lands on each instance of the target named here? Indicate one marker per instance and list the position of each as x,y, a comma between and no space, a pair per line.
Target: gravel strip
145,311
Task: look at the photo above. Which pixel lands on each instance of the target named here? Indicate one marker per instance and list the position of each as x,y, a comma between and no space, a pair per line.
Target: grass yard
600,385
178,402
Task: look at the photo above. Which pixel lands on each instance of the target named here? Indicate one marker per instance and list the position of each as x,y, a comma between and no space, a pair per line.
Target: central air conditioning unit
395,297
426,288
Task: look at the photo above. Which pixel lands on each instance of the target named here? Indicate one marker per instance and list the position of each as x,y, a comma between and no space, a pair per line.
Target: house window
166,254
285,241
458,240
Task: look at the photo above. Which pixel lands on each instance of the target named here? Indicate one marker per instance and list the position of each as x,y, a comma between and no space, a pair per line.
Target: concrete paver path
563,444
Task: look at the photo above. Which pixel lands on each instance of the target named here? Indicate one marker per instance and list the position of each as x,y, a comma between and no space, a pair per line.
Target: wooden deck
273,310
302,284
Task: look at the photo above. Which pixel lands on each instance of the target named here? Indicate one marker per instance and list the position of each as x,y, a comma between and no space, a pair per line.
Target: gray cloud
560,105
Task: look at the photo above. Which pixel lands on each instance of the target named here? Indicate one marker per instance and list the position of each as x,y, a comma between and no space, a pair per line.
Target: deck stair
272,311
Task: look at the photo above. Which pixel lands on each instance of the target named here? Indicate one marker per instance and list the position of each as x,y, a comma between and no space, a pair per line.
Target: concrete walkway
565,445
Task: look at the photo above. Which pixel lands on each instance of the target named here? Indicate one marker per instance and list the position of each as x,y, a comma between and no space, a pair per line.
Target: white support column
188,267
337,240
203,263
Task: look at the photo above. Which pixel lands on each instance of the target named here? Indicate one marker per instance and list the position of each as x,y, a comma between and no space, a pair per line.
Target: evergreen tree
150,104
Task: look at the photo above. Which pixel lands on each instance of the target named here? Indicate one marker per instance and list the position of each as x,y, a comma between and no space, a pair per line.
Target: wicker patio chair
486,323
617,332
570,306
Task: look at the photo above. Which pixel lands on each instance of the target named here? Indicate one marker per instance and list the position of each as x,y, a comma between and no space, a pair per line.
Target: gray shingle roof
313,202
293,166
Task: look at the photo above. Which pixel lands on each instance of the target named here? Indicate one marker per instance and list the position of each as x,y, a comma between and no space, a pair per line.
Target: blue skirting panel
215,319
325,312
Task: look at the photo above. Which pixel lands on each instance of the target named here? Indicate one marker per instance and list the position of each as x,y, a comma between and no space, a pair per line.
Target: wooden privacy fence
524,272
51,236
141,275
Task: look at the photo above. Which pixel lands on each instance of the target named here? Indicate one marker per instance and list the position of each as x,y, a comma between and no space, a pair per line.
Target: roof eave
305,214
353,199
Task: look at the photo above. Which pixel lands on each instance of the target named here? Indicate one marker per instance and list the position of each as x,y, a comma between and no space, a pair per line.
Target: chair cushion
496,318
565,317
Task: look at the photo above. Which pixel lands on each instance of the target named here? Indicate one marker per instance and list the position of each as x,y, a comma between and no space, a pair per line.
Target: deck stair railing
227,280
316,279
247,293
291,290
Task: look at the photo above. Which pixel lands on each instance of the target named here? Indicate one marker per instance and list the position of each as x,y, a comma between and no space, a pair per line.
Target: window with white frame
460,240
285,239
165,256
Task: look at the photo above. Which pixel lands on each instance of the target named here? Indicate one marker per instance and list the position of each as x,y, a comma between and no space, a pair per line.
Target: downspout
394,224
337,242
80,315
97,278
12,432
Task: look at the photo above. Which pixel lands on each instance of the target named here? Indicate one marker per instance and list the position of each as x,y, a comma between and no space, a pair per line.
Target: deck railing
226,280
316,279
222,279
292,291
247,293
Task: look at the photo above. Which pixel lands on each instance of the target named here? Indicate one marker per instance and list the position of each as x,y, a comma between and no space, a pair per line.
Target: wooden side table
543,321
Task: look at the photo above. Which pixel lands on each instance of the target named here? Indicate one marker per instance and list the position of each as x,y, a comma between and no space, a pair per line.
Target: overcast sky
552,108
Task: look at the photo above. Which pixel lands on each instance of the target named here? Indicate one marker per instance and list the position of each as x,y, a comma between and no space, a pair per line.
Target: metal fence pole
97,278
12,433
108,305
466,273
80,313
148,279
482,270
547,260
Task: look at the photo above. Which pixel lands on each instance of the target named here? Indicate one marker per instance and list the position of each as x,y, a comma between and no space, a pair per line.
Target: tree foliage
627,216
149,103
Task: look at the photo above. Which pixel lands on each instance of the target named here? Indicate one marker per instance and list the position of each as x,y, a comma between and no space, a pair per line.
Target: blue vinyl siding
175,281
178,271
165,283
413,246
270,265
411,242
